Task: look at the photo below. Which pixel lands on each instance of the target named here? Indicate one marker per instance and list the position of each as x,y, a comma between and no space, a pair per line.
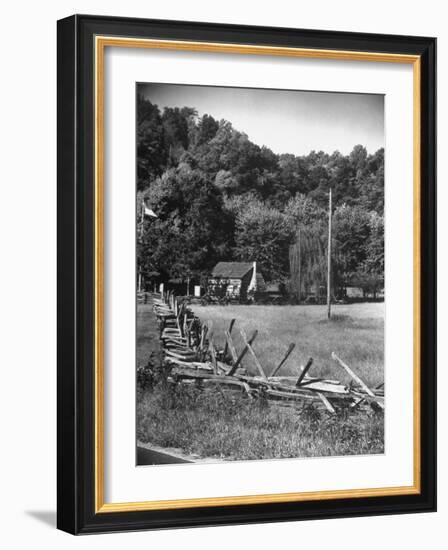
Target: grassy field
355,333
214,424
148,341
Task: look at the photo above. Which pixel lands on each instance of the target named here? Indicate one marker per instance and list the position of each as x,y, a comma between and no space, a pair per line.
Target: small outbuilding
235,280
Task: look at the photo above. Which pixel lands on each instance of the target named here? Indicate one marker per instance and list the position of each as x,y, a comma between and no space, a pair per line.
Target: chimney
253,283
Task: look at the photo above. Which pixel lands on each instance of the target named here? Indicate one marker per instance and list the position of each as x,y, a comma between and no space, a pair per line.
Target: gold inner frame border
100,44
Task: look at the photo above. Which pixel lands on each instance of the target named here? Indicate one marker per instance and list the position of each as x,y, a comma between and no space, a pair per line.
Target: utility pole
329,259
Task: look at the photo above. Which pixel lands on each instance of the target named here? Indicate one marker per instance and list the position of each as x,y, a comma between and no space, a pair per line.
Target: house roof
231,270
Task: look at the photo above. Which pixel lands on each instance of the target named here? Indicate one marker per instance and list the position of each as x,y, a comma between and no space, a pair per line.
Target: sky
286,121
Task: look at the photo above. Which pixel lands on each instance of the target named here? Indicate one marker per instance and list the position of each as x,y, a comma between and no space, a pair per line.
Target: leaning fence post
361,399
224,353
326,402
249,347
231,347
356,379
242,354
213,353
282,362
306,368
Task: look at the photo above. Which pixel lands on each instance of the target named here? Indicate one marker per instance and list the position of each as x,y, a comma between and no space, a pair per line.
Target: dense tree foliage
263,233
218,196
192,230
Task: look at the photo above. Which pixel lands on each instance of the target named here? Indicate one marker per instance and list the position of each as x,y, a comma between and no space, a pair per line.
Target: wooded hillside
218,196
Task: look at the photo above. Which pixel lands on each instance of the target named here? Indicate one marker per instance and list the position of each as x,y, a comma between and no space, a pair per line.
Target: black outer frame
75,403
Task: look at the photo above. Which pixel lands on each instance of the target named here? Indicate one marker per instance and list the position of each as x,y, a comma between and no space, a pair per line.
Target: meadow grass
228,426
355,333
148,334
214,423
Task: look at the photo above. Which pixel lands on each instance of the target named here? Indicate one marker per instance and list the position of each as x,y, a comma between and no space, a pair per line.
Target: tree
359,239
207,128
263,235
303,211
351,230
152,153
307,254
373,266
371,194
358,160
293,176
192,230
176,123
226,182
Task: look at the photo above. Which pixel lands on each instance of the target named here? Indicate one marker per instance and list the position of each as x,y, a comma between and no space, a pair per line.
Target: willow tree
307,260
307,254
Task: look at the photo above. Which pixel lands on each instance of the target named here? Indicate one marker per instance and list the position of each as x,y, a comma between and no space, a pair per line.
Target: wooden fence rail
191,355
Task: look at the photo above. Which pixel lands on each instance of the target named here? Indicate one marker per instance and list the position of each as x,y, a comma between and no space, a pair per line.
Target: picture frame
82,42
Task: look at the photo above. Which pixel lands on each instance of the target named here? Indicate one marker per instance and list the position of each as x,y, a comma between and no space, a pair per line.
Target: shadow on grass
338,319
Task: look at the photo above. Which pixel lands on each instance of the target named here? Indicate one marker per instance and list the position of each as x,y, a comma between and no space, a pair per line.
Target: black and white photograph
260,274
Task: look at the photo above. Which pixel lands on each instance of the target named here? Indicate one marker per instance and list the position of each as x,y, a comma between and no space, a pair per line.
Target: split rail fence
192,356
